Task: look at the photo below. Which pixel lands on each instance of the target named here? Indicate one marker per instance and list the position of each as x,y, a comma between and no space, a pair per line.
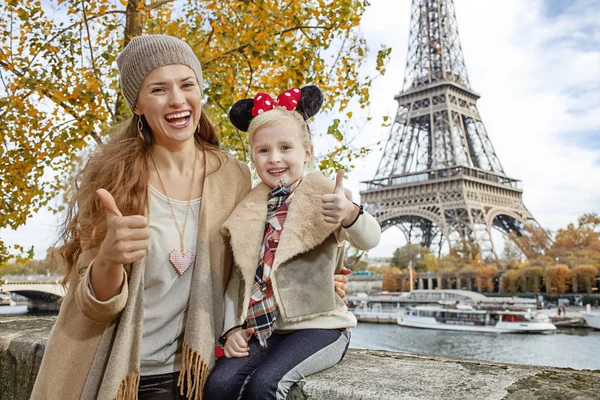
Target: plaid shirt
263,310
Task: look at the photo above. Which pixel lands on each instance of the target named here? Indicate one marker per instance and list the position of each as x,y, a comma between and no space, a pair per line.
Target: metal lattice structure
439,178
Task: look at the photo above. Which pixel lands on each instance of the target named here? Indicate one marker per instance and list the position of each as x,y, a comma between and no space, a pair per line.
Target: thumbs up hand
126,238
336,207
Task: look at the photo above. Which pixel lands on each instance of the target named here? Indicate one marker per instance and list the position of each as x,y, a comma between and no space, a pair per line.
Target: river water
577,348
13,310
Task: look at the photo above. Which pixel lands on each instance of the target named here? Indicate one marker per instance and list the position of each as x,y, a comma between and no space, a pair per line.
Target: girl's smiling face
278,153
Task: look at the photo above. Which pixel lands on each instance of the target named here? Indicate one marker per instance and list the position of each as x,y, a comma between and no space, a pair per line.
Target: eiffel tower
440,180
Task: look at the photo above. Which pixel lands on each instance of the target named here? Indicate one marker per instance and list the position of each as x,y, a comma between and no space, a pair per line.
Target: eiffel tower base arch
451,209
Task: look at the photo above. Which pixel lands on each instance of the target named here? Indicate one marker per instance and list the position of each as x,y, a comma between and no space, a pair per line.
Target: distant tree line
32,267
569,262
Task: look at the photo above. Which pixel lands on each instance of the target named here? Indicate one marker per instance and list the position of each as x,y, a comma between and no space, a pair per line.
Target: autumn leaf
334,131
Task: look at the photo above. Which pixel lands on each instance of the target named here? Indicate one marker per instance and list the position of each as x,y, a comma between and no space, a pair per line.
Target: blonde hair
278,116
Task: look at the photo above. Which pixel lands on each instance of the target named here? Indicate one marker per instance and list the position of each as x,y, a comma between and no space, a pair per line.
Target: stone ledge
364,374
22,342
369,374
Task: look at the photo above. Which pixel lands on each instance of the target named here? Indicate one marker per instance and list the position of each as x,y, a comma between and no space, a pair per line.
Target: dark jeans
269,373
159,387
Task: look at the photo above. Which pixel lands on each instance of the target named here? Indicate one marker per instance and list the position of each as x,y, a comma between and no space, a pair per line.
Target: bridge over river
42,291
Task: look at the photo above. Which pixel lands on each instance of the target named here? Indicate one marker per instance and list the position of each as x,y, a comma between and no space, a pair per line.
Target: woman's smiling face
171,102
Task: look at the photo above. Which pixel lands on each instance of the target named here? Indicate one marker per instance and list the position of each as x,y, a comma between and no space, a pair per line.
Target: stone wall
22,341
364,374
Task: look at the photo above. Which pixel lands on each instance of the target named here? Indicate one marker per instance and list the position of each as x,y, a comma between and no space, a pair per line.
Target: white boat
467,318
398,301
5,300
591,318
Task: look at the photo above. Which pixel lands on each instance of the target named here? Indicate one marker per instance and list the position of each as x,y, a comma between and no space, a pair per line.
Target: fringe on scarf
128,390
193,374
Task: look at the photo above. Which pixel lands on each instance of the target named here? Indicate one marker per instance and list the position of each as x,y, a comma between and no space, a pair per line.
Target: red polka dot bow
264,102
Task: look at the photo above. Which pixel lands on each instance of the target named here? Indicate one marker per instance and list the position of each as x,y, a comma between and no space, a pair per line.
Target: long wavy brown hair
121,167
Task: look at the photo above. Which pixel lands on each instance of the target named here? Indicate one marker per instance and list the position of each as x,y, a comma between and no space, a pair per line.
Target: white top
165,293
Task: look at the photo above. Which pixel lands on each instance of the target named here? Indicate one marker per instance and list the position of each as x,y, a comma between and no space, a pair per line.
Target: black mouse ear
240,114
311,100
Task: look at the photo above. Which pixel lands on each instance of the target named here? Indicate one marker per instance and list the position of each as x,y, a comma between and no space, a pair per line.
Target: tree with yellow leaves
390,282
585,234
486,277
531,280
59,82
557,279
511,280
584,278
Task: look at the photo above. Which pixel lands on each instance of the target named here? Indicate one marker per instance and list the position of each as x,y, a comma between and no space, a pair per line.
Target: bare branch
244,46
288,5
303,27
57,127
96,73
337,58
249,87
11,38
236,131
2,79
302,30
208,39
158,4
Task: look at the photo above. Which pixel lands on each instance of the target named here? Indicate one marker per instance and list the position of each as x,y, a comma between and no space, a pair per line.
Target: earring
140,127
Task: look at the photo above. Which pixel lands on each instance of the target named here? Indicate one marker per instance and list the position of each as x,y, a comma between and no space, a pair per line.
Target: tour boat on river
5,300
591,318
467,318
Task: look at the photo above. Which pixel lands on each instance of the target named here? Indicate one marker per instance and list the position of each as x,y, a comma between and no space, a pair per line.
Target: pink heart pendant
181,261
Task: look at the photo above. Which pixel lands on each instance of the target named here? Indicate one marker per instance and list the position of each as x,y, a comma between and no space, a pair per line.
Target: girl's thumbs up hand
336,207
126,238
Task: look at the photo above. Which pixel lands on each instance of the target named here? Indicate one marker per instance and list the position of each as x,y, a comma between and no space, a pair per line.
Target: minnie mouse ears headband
307,101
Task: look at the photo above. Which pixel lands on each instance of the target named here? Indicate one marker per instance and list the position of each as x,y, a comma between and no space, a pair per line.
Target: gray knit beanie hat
144,54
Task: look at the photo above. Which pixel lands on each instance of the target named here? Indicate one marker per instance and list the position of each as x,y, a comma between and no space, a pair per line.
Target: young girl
283,320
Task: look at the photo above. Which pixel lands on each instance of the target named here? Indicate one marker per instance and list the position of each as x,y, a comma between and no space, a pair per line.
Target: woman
139,302
147,264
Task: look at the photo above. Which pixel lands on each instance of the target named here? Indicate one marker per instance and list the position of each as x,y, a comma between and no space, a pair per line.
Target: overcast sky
536,65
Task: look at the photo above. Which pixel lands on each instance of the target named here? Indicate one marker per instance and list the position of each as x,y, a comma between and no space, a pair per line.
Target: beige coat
309,253
93,351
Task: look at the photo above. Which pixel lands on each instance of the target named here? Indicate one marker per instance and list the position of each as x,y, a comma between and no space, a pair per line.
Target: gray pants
269,373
